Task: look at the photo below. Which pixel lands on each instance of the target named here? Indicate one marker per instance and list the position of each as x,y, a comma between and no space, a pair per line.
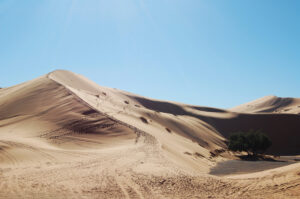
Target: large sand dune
63,136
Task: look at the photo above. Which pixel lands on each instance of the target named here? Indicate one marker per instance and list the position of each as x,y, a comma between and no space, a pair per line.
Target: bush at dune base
252,142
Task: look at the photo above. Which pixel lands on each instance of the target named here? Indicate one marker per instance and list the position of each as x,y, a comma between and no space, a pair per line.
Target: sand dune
64,136
270,104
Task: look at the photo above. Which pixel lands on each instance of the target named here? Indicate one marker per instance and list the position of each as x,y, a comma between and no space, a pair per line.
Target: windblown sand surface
270,104
63,136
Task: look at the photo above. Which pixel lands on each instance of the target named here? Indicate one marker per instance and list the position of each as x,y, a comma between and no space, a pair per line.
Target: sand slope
270,104
63,136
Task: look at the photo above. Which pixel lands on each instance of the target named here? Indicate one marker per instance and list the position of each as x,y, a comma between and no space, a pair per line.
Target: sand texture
64,136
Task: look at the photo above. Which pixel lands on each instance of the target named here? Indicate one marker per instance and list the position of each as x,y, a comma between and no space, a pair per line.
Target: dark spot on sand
89,112
198,155
168,130
144,120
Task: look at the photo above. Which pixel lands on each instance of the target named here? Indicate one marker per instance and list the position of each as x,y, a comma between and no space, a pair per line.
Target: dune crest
270,104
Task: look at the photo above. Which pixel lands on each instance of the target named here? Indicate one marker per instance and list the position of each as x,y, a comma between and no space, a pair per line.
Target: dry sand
270,104
63,136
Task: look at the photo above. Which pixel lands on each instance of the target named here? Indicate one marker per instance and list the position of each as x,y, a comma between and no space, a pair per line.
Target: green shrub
252,142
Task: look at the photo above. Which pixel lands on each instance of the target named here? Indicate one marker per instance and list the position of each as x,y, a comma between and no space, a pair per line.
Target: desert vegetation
252,142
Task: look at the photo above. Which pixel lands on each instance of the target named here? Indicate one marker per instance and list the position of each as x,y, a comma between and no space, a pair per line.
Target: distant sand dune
270,104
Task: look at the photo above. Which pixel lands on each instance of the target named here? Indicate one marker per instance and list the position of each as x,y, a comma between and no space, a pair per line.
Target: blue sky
204,52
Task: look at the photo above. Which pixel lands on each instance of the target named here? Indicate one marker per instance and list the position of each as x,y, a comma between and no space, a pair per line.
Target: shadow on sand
249,164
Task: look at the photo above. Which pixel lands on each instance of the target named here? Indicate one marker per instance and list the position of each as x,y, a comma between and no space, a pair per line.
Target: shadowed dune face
283,129
159,106
72,120
172,108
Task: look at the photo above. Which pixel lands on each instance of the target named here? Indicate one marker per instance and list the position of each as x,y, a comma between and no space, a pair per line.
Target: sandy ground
63,136
232,167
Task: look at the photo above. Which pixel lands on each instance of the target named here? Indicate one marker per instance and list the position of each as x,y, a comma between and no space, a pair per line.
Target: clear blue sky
204,52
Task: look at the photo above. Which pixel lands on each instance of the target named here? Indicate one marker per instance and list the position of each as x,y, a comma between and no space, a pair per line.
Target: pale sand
270,104
63,136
